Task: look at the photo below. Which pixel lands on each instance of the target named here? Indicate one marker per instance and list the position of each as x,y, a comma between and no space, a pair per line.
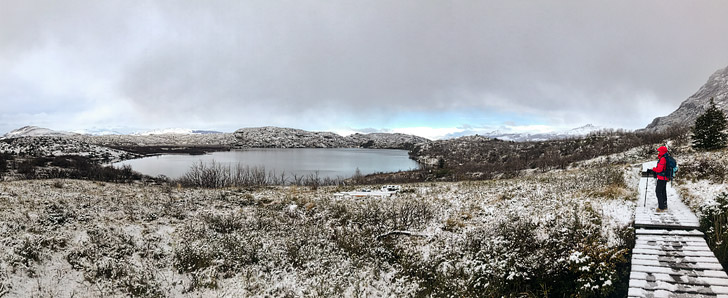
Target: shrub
714,223
215,244
107,259
4,157
570,259
705,169
32,248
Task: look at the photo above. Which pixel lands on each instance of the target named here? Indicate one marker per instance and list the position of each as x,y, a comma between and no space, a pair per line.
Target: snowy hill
34,131
279,137
691,108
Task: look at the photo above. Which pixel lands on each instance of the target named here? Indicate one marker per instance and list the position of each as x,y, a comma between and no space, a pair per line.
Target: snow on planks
675,264
671,257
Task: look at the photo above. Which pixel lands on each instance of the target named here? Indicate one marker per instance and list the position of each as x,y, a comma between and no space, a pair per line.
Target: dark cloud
324,64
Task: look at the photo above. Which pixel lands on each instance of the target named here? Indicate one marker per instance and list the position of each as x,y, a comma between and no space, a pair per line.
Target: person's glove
648,173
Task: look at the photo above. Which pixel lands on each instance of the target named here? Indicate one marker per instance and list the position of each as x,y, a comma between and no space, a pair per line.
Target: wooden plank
681,279
680,265
657,251
675,247
663,217
678,288
684,259
666,226
668,242
670,238
669,232
638,292
640,220
685,272
651,219
662,220
671,243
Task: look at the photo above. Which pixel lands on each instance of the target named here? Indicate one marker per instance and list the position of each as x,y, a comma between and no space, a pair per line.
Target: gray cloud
321,64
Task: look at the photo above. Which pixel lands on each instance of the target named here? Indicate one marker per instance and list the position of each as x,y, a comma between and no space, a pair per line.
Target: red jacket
661,163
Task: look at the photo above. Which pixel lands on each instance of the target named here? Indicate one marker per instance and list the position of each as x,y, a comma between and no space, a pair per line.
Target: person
661,188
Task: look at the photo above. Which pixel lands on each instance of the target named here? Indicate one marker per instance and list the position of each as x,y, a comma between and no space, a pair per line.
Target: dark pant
661,192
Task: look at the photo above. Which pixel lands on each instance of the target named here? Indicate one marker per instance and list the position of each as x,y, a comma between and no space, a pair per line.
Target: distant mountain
532,137
34,131
97,132
206,132
279,137
180,131
695,105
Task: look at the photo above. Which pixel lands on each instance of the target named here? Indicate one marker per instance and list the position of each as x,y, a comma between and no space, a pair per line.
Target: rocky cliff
691,108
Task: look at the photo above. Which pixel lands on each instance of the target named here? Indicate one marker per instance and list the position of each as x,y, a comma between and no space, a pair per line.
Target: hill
34,131
279,137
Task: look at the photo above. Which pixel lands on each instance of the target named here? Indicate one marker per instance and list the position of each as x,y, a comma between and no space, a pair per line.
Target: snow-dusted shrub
220,241
571,258
107,261
704,168
4,283
714,223
57,214
4,158
28,251
32,249
381,216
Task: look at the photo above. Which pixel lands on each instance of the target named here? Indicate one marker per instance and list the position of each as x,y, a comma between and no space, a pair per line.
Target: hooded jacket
661,163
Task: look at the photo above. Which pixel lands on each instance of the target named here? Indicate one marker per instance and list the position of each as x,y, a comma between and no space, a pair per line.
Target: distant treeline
65,167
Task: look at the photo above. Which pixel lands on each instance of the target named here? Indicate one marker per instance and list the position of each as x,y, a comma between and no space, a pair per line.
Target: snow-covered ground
567,231
702,177
562,232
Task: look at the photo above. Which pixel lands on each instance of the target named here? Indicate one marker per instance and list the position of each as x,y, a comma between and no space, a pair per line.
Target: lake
332,163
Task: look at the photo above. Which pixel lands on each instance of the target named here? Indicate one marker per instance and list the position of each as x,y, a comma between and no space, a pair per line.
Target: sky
426,67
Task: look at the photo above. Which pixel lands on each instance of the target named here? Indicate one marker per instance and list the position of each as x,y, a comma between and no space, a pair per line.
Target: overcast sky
426,67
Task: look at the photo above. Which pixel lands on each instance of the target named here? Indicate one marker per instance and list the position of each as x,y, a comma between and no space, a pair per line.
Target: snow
34,131
313,243
298,225
165,131
537,133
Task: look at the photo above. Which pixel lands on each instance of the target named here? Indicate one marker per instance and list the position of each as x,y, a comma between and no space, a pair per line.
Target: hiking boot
658,210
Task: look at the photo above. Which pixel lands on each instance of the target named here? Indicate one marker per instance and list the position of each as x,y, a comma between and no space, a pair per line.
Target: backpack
671,167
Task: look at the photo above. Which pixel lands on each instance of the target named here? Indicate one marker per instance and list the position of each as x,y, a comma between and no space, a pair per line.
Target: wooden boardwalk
671,257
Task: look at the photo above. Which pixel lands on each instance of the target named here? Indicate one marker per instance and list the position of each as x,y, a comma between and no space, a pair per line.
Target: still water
332,163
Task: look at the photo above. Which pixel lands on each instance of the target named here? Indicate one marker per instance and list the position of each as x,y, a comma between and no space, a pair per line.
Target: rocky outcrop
385,140
278,137
170,139
695,105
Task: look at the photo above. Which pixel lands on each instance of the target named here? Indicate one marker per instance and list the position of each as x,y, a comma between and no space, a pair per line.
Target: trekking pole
646,183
